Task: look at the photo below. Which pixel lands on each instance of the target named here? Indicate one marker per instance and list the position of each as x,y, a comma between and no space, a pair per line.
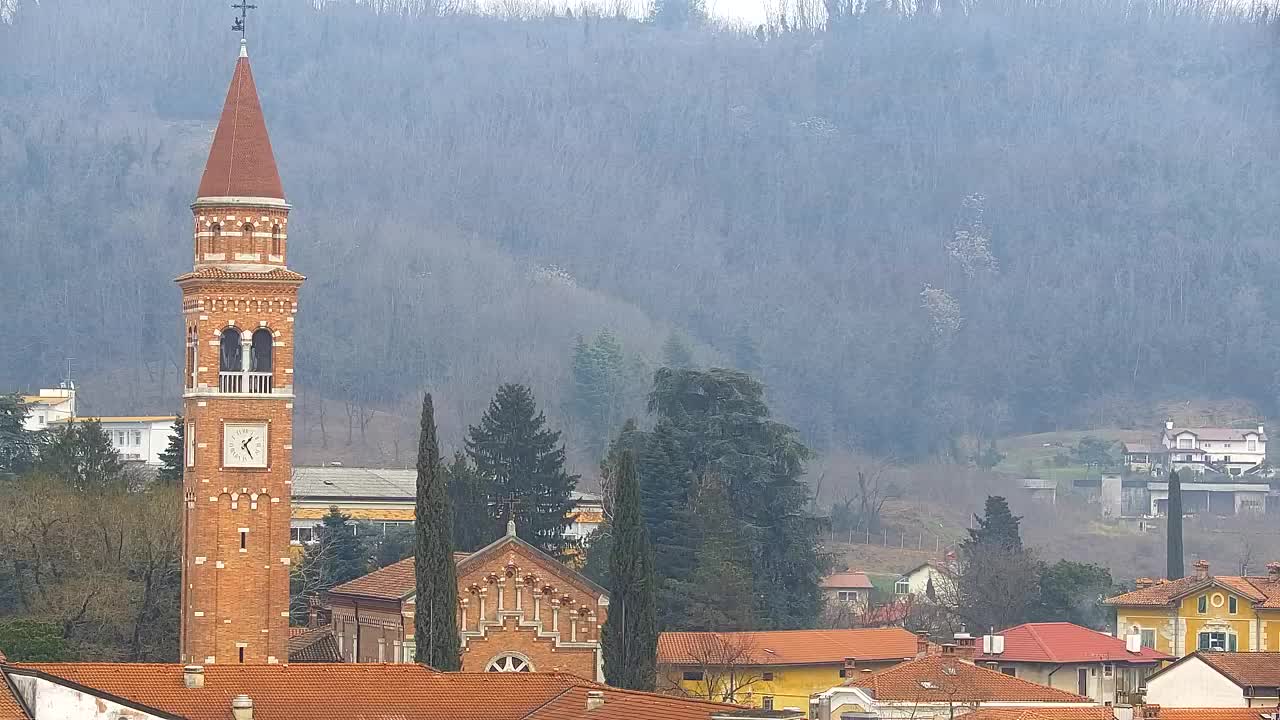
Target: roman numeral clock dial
244,445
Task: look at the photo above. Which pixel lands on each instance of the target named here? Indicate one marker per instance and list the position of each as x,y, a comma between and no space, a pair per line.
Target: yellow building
1204,612
776,669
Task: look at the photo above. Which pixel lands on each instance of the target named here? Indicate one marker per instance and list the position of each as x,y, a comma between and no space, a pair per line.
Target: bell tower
238,306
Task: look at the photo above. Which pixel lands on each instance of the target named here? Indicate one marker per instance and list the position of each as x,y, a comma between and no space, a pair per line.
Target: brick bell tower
238,304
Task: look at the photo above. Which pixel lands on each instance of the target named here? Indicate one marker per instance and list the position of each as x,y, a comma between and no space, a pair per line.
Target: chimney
1150,712
922,642
242,707
1262,429
1168,424
313,612
1143,583
948,648
595,700
1273,571
1202,569
193,676
966,646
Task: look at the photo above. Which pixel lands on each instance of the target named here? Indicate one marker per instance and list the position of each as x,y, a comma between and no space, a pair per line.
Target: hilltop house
1203,612
47,406
777,668
1230,450
1069,657
851,589
138,438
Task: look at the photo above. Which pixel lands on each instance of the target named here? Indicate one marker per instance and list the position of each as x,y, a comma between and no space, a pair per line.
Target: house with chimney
116,691
1208,678
519,610
777,669
1232,451
941,687
1225,613
1107,669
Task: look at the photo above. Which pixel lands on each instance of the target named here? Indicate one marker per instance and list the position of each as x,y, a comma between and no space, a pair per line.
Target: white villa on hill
1233,451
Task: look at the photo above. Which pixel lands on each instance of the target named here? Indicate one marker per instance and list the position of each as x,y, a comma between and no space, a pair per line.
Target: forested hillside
914,227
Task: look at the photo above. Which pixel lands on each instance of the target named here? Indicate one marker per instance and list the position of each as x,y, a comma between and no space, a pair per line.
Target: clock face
244,445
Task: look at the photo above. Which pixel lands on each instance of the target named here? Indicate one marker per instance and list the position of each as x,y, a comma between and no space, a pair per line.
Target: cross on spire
238,24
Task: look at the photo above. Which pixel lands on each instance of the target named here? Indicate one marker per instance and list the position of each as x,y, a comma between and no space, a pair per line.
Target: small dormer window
1253,444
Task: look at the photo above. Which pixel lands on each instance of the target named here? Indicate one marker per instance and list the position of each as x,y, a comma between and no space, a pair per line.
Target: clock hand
246,447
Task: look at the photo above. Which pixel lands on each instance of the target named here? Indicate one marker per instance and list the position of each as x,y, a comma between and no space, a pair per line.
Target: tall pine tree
18,447
630,636
171,458
339,553
1174,561
435,621
513,449
998,526
473,523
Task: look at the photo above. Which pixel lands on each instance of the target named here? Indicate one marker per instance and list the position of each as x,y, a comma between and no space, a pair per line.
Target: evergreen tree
473,523
718,595
171,460
435,621
630,441
81,455
339,553
18,446
716,423
1175,564
997,527
598,385
513,449
630,636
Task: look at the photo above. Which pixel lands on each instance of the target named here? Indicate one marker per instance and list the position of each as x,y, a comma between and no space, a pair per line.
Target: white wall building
48,406
138,438
1232,450
1218,679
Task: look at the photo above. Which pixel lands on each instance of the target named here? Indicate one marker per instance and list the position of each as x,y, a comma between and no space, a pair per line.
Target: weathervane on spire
238,25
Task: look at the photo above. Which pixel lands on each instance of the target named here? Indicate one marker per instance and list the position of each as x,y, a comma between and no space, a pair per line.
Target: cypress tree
435,622
630,632
1173,549
513,449
171,459
998,526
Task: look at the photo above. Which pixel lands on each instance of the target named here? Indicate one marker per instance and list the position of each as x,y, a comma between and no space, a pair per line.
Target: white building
918,580
1230,450
1218,679
48,406
140,438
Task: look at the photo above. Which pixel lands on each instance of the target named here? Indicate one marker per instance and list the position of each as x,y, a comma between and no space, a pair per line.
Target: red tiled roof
241,163
1258,589
217,273
1052,713
847,580
10,709
368,692
1257,669
393,582
939,678
1255,713
1063,642
786,647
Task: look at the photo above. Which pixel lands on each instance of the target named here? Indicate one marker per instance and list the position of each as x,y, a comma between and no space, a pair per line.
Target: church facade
239,302
519,610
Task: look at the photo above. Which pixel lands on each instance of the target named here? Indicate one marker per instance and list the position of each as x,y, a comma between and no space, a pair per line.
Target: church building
519,610
238,305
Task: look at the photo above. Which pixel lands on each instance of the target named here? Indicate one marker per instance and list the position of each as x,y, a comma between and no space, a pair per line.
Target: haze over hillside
915,228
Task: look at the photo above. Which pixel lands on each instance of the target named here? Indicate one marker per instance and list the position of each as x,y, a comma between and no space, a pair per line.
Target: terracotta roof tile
393,582
1259,589
1061,713
317,645
241,163
368,692
1063,642
1161,593
10,708
845,580
217,273
1257,713
788,647
938,678
627,705
1259,669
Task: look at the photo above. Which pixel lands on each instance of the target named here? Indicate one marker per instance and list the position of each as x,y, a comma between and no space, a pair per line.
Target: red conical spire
241,163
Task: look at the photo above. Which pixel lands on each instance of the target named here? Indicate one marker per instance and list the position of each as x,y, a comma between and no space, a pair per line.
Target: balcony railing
256,383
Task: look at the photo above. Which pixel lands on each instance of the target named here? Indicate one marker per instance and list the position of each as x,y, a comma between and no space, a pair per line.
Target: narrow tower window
260,351
249,244
241,655
277,242
244,540
229,358
215,240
